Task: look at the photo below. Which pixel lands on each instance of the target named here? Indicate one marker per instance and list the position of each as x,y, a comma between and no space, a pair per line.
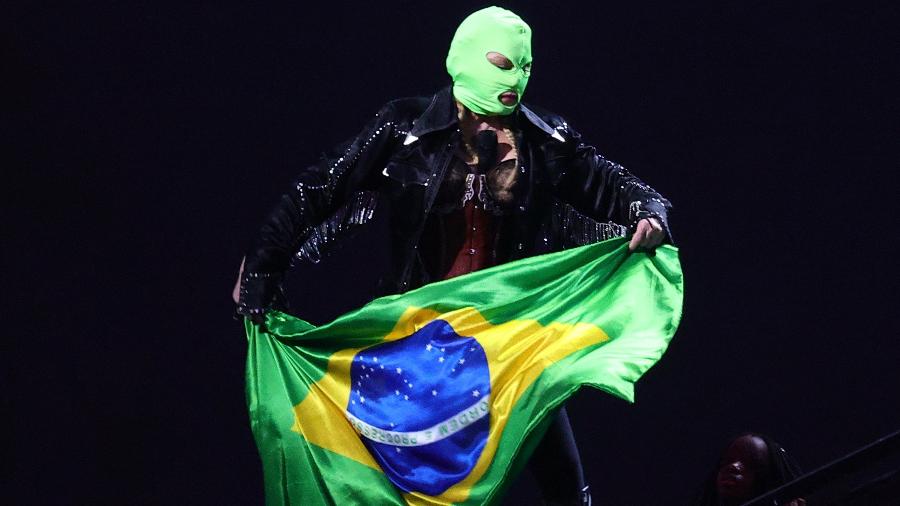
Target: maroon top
476,251
461,231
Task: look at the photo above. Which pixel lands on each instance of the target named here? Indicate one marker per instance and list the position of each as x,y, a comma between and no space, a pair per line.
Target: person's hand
648,235
254,293
257,317
236,292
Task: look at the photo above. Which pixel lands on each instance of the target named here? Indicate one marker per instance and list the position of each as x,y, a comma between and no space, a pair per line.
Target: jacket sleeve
316,193
603,189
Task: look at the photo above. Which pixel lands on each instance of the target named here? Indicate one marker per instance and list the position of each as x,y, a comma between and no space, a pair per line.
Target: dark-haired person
751,465
471,178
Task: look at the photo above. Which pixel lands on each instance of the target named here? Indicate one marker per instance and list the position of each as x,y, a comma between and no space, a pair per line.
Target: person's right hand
236,292
256,292
259,318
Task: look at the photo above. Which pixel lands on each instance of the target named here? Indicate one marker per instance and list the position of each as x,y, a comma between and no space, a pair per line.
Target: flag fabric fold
439,395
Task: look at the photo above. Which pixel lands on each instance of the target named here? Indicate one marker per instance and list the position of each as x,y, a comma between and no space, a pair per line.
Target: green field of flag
439,395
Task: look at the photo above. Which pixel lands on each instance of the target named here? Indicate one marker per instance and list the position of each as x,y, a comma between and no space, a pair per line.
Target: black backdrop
144,142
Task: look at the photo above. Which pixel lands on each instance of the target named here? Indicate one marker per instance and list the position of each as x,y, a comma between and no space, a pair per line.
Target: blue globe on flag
421,405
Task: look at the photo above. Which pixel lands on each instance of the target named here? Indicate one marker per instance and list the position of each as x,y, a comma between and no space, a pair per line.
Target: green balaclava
478,83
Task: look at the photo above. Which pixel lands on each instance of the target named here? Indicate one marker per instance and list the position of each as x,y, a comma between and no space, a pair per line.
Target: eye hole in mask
500,61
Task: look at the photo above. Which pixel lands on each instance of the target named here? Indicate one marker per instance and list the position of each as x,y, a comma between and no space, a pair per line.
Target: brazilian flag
439,395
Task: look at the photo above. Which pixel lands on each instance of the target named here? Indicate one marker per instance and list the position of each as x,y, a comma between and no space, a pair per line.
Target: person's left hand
649,235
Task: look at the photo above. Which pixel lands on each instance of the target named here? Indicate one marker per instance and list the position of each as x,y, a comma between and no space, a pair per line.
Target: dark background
144,142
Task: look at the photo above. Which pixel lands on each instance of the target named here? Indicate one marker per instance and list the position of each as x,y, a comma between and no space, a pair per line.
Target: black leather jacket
565,195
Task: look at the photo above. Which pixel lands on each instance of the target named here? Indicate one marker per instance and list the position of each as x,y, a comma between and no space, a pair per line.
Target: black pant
556,465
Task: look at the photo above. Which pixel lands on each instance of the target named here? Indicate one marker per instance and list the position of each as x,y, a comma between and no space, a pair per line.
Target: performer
468,178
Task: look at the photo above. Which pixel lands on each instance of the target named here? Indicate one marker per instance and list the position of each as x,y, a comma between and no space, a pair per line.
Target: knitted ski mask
478,83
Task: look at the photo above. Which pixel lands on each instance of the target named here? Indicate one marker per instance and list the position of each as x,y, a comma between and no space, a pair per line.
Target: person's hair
780,469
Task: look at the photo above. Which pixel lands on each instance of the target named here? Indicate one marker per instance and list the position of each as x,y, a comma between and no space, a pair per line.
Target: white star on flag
428,347
461,362
399,370
475,393
441,359
434,392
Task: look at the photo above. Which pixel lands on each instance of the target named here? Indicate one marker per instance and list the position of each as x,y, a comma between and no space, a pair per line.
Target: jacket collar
441,114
